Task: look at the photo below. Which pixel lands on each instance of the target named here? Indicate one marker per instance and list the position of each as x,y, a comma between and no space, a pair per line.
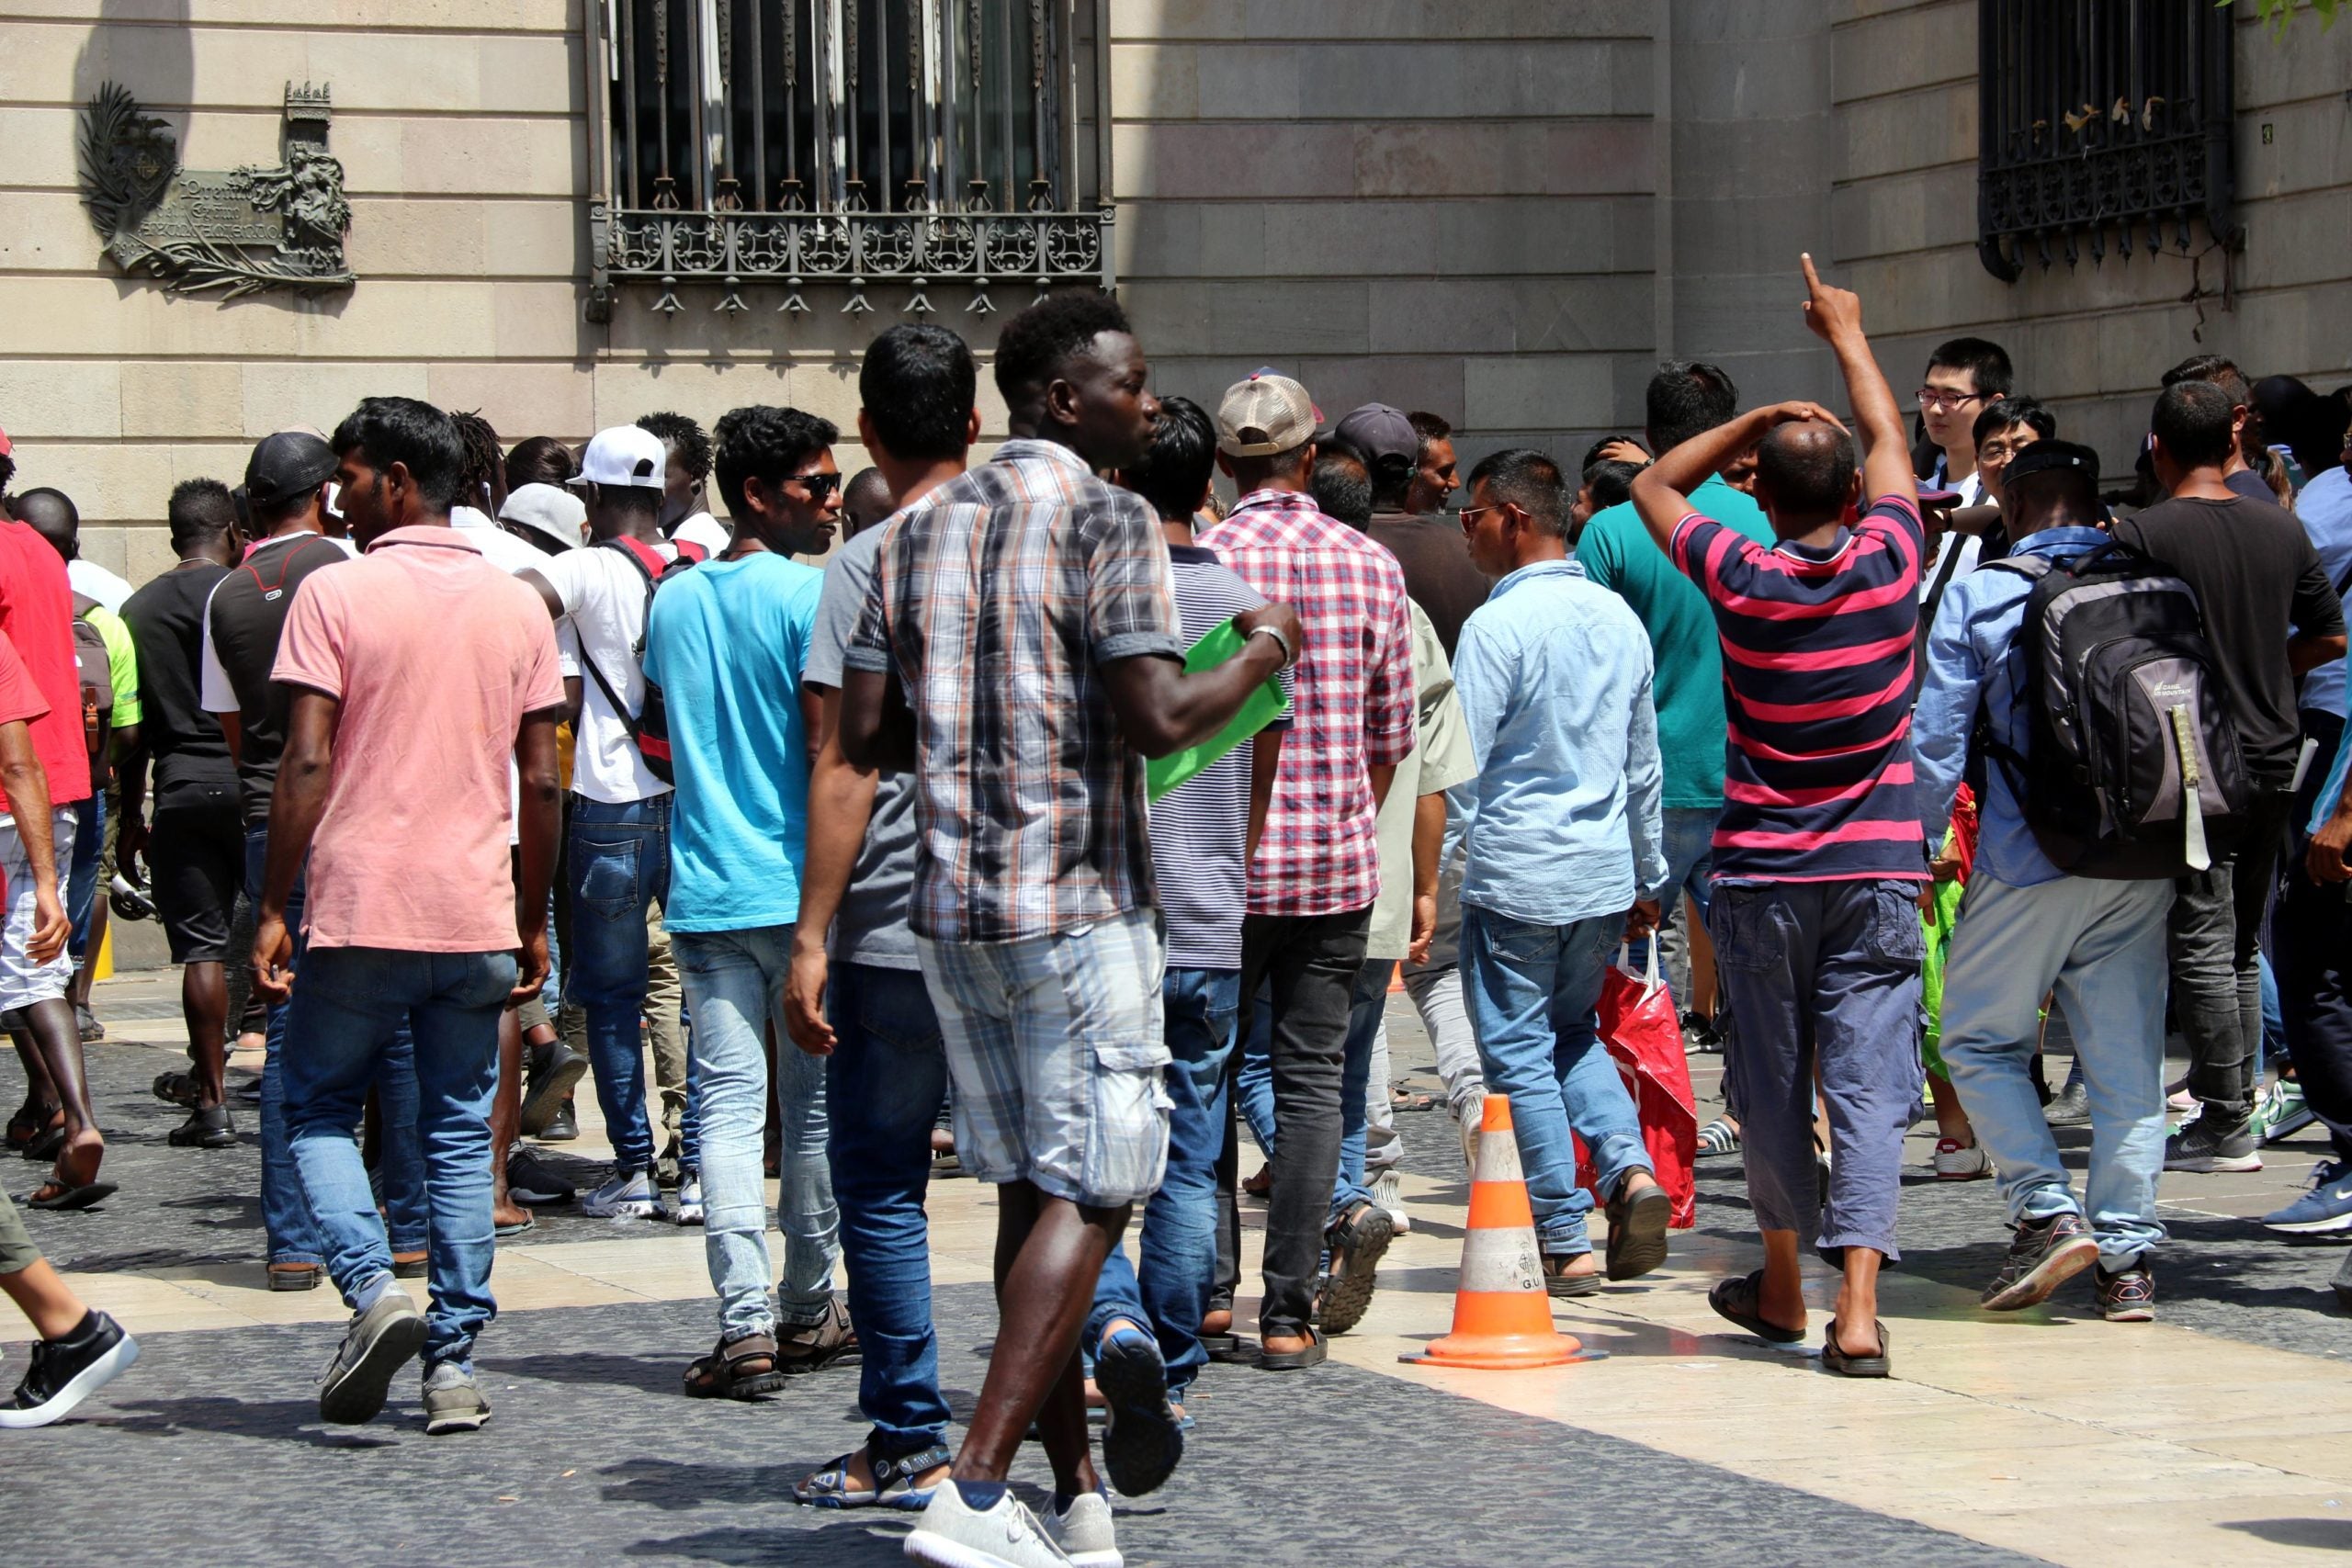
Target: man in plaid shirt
1318,868
1019,654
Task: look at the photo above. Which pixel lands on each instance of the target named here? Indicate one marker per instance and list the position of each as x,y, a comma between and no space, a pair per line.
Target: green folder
1263,707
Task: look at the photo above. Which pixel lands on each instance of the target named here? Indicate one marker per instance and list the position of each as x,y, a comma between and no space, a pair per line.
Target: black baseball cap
286,465
2051,455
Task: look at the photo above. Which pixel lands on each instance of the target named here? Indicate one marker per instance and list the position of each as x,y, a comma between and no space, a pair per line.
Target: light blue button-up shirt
1554,675
1973,653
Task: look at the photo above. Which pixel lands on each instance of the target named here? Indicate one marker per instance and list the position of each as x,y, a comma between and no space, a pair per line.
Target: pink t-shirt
436,656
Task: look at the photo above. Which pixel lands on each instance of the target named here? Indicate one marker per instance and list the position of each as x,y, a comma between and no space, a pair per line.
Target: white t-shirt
701,528
603,623
87,576
501,549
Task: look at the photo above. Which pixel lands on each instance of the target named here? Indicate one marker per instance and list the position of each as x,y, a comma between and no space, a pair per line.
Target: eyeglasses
2001,451
819,486
1939,399
1469,514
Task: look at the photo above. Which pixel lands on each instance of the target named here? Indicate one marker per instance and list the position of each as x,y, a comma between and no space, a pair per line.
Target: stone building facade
1503,210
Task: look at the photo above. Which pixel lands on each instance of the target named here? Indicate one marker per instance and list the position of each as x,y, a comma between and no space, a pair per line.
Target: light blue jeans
348,1006
1532,991
2102,946
734,985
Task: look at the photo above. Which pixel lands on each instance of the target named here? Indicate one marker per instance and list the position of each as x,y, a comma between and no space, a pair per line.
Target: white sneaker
1386,1193
1954,1162
952,1535
1084,1532
1473,1116
688,1210
628,1196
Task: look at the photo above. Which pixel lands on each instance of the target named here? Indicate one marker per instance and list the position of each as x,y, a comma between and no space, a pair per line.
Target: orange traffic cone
1503,1315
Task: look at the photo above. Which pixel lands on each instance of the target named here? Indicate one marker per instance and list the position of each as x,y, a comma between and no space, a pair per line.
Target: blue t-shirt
726,643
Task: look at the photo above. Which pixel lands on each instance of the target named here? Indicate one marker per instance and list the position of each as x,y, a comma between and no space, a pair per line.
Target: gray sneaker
1084,1532
377,1344
2208,1144
2069,1107
952,1534
453,1401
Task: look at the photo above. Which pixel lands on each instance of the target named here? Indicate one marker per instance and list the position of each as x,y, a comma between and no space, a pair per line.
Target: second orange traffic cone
1503,1315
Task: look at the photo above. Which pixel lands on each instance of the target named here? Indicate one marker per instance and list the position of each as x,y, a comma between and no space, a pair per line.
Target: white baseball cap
556,515
623,455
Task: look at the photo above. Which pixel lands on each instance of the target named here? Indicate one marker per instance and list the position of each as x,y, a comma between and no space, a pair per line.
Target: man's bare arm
537,826
841,806
27,783
1835,316
1662,490
295,809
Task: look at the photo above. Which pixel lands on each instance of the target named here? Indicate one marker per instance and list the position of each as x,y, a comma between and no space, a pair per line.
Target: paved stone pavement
2047,1437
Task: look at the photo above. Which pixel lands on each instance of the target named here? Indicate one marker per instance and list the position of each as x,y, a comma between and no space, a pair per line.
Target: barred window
2100,118
854,141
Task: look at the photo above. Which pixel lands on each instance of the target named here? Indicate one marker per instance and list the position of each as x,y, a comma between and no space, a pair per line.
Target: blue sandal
894,1484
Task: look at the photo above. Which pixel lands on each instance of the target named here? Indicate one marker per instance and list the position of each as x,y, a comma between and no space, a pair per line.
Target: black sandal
1845,1366
1313,1354
1736,1300
894,1481
177,1089
725,1373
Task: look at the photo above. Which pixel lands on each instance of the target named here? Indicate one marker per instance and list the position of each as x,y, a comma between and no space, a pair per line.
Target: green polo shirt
1618,553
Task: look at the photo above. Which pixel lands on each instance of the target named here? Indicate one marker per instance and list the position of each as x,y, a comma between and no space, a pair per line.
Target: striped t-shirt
1200,829
1817,648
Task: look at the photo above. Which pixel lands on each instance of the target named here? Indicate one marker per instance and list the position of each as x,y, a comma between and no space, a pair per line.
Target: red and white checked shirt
1352,698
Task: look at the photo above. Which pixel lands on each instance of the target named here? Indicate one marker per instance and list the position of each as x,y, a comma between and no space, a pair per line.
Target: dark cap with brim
2053,457
290,463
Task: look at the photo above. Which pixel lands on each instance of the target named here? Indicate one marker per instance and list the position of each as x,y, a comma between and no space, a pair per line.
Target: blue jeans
1688,838
82,875
1366,1001
619,858
293,1236
1532,989
1179,1243
347,1006
2101,946
734,983
883,1085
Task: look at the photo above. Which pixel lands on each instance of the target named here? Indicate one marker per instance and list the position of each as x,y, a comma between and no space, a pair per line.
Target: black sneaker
2044,1255
2210,1144
2129,1295
206,1129
2069,1107
563,1128
377,1344
1357,1244
532,1183
553,1071
66,1372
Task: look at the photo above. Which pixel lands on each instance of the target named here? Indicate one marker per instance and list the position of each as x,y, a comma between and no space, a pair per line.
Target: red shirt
19,698
36,616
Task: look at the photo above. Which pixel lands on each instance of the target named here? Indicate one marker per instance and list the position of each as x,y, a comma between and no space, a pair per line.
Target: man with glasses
618,848
1964,377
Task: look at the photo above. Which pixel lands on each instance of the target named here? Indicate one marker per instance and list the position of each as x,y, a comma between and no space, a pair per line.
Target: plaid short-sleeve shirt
1352,697
997,599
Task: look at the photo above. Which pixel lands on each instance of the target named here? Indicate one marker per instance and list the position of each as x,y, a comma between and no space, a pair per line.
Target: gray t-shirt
872,925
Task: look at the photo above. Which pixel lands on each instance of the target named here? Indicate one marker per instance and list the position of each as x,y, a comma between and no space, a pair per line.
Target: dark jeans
1309,962
82,882
619,865
2216,982
2314,938
883,1085
1827,975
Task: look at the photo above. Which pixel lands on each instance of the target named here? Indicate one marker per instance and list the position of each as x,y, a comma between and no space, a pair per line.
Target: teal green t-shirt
1618,553
726,643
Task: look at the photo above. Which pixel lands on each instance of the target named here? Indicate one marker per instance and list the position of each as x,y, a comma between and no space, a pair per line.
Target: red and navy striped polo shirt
1817,648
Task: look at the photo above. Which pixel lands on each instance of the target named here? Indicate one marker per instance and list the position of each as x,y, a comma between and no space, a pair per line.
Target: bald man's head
865,502
1804,475
50,513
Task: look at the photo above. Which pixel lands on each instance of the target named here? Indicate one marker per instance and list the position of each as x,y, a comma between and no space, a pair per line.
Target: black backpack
2133,770
649,731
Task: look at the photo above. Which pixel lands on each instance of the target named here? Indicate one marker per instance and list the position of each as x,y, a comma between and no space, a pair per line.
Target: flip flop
1847,1366
1314,1355
503,1232
46,1142
1735,1300
64,1197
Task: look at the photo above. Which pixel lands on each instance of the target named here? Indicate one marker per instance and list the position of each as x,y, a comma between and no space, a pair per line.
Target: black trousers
2313,936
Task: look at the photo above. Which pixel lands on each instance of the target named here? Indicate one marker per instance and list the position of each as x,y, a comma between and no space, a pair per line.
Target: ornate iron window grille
2096,116
917,143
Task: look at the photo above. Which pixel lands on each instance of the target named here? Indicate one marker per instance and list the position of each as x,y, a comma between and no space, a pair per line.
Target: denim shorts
1056,1046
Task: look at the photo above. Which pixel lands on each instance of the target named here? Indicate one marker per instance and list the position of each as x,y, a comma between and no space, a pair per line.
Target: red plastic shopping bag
1643,1037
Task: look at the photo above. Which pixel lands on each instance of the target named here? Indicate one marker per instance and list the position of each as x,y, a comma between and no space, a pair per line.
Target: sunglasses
819,486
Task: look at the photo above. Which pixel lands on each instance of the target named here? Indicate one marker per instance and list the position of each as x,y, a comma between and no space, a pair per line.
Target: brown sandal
812,1347
743,1368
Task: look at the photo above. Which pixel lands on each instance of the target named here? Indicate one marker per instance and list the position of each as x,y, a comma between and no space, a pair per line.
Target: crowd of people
1070,820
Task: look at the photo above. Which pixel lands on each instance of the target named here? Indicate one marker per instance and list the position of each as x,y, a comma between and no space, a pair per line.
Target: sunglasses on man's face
819,486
